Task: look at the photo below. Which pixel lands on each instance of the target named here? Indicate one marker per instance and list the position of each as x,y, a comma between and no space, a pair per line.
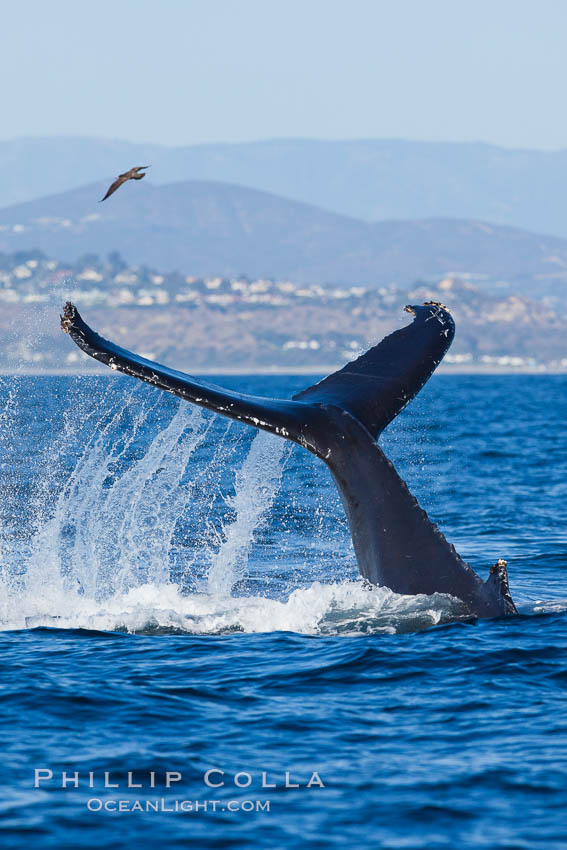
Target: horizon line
283,139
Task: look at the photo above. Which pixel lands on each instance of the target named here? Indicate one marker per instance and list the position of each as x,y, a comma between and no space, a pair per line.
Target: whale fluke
339,419
378,385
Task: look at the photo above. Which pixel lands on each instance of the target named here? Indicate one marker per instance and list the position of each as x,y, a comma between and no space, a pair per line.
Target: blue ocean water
179,595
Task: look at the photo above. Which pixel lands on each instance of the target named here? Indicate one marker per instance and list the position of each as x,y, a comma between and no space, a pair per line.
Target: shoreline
280,370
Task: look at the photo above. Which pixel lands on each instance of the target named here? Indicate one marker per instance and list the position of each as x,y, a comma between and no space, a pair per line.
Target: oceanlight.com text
112,806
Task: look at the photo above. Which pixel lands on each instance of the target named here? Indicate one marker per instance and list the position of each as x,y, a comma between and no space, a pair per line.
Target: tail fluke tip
68,316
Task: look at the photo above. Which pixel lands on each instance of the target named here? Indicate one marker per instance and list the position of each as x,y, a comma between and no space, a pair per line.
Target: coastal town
238,323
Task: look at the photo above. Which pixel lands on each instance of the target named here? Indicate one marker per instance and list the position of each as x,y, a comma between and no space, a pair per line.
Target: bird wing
116,185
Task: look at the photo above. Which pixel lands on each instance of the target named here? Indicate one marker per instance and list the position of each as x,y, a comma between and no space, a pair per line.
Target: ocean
189,657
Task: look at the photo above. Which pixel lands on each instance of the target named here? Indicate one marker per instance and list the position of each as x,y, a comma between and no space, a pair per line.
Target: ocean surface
188,657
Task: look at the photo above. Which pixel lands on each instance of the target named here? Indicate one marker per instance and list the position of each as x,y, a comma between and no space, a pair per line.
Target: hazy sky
216,70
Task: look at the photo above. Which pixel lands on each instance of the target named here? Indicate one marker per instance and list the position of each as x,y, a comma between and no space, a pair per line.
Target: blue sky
216,70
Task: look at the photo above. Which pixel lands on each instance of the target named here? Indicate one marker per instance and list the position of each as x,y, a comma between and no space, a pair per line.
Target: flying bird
122,178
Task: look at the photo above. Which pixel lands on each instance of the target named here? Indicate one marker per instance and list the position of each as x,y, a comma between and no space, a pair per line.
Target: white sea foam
348,608
553,606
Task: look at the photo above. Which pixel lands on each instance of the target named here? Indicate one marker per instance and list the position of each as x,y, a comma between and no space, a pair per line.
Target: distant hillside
219,229
371,180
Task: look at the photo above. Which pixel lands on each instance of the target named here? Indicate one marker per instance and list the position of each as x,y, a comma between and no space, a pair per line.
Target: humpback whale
340,419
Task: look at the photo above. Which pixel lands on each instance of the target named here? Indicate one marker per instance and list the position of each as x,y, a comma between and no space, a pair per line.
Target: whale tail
372,389
339,419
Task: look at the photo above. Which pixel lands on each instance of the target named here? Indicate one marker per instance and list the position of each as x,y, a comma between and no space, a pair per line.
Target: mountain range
210,228
371,180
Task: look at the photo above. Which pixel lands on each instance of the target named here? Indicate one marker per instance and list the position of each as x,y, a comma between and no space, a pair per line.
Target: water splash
8,413
256,485
106,525
115,517
121,477
345,608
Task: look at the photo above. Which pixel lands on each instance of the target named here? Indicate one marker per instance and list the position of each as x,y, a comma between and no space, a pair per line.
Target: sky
181,72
